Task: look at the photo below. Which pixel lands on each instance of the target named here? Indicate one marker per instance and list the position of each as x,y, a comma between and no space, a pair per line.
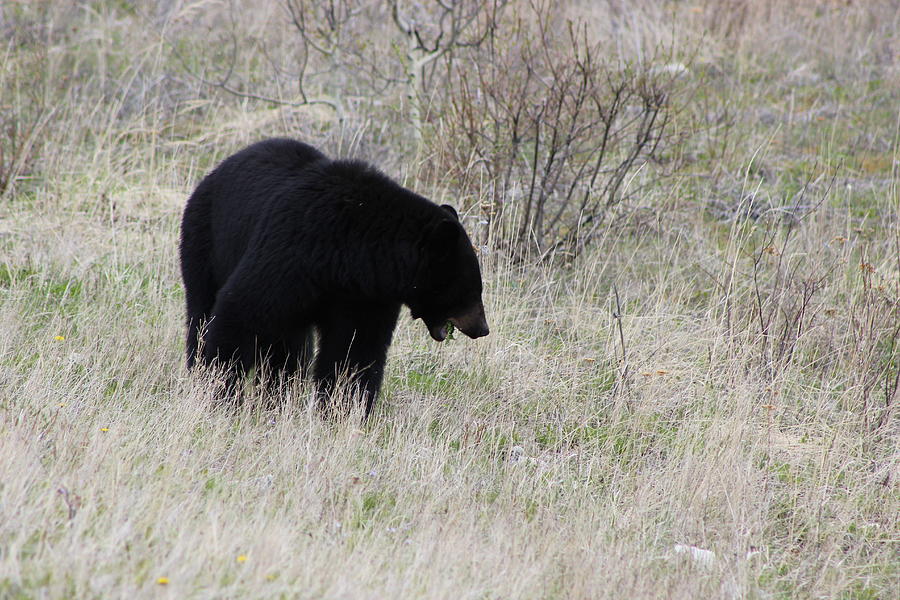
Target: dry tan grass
534,463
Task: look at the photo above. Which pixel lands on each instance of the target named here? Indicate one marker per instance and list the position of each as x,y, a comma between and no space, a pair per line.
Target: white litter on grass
517,455
675,69
262,482
705,558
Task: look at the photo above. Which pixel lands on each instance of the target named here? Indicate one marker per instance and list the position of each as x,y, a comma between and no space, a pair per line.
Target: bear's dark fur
279,241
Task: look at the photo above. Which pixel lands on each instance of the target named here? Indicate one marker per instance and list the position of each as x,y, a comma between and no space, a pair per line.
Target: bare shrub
24,110
799,322
874,348
20,136
557,125
786,295
433,33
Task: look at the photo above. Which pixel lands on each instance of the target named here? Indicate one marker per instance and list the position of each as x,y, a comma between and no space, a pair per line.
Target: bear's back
278,155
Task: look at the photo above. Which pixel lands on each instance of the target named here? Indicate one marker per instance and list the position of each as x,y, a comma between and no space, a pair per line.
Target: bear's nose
473,324
479,330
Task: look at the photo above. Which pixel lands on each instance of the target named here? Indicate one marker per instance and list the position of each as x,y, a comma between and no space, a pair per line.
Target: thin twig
617,315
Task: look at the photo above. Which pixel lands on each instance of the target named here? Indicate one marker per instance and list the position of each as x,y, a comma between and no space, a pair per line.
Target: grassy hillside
699,400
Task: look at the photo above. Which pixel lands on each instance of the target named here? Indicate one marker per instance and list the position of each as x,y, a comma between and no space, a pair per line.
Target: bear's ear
450,210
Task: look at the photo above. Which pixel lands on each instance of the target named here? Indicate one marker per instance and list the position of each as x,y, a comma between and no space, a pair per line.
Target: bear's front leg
354,341
280,358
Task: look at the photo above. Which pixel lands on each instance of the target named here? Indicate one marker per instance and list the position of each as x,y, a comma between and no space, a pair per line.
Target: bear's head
448,283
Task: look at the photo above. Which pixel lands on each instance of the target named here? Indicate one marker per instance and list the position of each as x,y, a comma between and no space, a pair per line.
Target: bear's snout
473,323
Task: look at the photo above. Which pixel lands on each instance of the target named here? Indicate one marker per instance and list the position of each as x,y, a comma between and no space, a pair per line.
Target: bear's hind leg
196,271
200,297
197,318
229,344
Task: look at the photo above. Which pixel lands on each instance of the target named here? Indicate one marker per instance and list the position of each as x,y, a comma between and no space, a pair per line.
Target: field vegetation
688,216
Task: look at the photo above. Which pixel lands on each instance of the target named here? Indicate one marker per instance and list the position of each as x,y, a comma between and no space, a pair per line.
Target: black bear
279,241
